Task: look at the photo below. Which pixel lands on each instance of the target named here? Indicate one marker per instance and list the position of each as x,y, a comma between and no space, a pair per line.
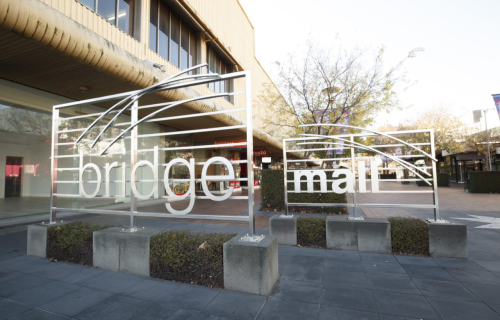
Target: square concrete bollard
118,250
251,267
341,233
448,240
284,228
374,235
37,239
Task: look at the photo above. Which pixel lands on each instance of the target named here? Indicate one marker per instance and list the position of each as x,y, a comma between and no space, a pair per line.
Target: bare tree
327,86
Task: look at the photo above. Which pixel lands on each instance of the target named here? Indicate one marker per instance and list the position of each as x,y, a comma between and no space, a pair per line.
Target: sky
459,69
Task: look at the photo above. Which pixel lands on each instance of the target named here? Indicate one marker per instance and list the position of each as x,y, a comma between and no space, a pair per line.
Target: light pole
477,116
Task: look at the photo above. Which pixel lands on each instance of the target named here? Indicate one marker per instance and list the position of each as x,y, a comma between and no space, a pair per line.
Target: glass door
13,177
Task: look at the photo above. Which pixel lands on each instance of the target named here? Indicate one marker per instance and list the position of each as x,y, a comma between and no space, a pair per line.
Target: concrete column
374,235
341,233
37,239
284,229
251,267
117,250
448,240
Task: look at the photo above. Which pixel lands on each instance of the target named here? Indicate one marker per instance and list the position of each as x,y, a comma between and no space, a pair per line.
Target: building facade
57,51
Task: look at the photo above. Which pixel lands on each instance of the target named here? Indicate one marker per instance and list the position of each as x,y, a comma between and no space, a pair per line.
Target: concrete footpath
314,283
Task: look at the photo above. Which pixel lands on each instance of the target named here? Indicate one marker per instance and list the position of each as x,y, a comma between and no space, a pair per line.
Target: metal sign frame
129,101
326,143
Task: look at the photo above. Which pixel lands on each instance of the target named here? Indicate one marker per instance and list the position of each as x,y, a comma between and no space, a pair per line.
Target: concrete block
37,239
374,235
448,240
251,267
341,233
284,229
119,250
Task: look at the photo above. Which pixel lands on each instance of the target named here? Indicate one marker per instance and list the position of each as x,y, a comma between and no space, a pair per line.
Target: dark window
164,31
174,41
117,12
153,25
216,64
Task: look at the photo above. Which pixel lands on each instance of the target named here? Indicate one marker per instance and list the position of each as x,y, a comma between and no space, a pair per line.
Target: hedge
409,236
443,180
311,232
177,256
387,176
484,182
72,242
272,195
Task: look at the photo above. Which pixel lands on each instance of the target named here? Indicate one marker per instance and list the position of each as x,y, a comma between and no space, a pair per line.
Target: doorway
13,177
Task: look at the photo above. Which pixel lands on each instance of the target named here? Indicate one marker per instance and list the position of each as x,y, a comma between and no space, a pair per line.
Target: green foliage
409,236
422,183
484,182
177,256
443,180
388,176
72,242
272,194
311,232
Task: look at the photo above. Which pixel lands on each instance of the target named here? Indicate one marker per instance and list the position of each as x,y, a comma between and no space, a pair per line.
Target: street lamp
477,116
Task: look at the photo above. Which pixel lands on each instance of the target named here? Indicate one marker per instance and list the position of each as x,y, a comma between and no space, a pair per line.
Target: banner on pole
496,99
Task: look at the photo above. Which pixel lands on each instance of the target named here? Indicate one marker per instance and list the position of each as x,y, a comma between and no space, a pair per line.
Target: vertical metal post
248,97
53,164
285,178
353,168
133,161
434,178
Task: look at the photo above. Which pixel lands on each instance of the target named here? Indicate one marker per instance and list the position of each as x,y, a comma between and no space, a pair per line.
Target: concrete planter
251,267
284,229
369,235
37,239
117,250
448,240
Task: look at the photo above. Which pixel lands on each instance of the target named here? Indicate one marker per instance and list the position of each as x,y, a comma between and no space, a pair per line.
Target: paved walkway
314,284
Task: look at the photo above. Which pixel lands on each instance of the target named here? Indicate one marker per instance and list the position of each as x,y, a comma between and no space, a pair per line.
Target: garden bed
311,232
409,236
188,257
72,242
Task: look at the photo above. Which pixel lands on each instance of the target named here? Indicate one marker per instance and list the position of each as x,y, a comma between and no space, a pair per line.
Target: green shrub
409,236
72,242
388,176
272,195
311,232
443,180
484,182
176,255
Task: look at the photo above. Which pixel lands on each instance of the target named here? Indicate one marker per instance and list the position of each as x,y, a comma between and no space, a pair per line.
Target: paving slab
36,314
332,313
425,272
345,279
462,310
236,305
75,302
487,293
189,296
116,307
393,284
350,298
474,276
24,282
405,305
11,309
43,293
308,274
278,309
445,289
298,291
417,261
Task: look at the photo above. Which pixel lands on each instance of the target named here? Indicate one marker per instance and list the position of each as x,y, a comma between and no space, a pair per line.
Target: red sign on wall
260,153
256,183
235,184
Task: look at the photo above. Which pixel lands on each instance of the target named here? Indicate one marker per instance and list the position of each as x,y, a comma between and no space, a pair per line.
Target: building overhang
44,49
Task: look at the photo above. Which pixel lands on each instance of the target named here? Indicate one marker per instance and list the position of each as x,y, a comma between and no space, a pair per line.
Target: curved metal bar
372,131
368,148
163,109
402,162
137,96
136,93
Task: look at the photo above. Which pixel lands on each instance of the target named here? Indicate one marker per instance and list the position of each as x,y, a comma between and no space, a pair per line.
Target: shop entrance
13,177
